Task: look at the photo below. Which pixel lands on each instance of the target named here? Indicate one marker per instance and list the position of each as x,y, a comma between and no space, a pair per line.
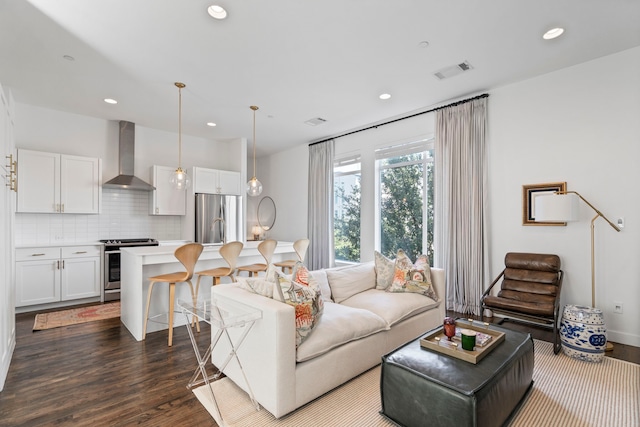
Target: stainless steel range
111,290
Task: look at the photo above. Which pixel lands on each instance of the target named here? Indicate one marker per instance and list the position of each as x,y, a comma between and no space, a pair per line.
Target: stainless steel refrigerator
219,218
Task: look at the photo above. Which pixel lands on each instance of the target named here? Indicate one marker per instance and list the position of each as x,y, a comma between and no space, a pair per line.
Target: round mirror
266,213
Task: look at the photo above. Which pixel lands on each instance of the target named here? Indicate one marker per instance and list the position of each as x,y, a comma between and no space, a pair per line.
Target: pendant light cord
180,87
179,127
254,108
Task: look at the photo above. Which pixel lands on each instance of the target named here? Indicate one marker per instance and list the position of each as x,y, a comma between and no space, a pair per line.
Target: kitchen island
137,264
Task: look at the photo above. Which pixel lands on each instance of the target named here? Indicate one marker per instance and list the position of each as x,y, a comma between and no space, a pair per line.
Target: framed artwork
529,194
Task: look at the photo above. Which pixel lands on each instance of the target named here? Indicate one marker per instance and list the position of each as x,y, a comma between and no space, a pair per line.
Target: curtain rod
453,104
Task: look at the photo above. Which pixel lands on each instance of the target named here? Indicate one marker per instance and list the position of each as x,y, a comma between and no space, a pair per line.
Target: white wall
580,125
285,178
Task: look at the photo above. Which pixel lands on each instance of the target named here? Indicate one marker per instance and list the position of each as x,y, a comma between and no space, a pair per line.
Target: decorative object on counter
582,333
57,319
257,231
449,326
180,180
563,206
300,246
188,256
254,187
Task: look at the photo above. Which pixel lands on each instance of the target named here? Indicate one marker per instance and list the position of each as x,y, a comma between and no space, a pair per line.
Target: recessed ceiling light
69,58
553,33
211,124
385,96
217,11
423,44
110,101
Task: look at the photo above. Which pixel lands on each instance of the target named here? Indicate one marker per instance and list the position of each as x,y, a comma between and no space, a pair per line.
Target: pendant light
254,187
179,179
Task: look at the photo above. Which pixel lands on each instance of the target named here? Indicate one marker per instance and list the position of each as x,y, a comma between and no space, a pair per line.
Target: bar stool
187,255
300,246
266,249
230,253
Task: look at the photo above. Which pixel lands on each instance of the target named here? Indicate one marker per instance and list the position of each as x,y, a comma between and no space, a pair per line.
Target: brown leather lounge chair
529,292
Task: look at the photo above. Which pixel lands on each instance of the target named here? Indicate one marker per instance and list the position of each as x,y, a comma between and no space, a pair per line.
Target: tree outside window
405,200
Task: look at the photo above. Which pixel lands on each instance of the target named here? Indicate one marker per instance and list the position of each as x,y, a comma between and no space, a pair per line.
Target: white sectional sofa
359,325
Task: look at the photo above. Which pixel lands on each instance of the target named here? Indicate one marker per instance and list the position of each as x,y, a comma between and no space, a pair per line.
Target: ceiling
296,60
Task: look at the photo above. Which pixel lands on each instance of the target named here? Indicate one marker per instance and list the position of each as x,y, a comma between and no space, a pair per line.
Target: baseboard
623,338
6,360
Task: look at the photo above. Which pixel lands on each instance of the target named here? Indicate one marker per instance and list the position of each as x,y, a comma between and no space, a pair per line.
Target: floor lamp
562,206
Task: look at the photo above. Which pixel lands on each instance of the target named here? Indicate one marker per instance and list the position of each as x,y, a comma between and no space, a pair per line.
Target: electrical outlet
617,307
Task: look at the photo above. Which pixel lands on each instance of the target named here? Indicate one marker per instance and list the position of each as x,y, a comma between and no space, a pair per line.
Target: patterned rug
56,319
566,392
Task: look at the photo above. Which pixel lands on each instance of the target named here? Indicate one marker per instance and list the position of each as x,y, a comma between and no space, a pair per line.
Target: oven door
111,275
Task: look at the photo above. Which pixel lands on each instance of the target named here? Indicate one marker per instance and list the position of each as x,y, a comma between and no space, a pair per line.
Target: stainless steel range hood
126,179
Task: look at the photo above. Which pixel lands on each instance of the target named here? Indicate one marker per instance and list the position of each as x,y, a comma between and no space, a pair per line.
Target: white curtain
460,194
320,226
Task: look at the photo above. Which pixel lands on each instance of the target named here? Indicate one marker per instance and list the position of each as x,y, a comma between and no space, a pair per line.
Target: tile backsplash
125,214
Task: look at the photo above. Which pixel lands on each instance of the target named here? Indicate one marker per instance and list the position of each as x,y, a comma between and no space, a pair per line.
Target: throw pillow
265,286
385,269
303,293
414,278
257,285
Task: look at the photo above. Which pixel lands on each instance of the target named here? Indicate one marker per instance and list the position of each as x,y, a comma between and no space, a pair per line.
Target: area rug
56,319
567,392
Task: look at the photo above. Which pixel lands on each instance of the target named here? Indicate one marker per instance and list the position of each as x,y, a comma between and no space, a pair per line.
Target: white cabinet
46,275
58,183
214,181
165,199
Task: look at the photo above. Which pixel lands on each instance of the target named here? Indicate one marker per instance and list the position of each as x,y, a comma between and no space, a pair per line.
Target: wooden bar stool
230,253
266,249
188,255
300,246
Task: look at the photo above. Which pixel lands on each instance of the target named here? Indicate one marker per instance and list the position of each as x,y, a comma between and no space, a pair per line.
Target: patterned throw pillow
303,293
385,269
264,286
415,278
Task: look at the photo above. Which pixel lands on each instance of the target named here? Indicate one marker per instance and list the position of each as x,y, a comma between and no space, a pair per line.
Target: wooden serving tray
436,340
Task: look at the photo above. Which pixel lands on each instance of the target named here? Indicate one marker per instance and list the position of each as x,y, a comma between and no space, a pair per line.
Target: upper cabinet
58,183
214,181
165,199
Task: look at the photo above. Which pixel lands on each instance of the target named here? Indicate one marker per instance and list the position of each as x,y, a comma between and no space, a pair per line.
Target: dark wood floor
96,374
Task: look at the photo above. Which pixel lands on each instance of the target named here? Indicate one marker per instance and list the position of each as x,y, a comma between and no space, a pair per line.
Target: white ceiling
295,59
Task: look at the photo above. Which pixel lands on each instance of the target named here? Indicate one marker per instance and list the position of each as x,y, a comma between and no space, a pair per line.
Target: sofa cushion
320,277
345,282
385,269
339,325
414,278
392,307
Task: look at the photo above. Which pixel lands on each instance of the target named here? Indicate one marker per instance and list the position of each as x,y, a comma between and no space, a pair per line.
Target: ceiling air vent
453,70
316,121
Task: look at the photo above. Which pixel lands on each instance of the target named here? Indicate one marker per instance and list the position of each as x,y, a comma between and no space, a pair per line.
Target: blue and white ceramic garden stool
583,333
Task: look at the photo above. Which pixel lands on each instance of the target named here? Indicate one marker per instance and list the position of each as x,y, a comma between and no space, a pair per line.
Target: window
346,216
405,199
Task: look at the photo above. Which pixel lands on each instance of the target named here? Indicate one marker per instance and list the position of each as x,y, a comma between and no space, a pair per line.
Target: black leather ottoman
421,387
